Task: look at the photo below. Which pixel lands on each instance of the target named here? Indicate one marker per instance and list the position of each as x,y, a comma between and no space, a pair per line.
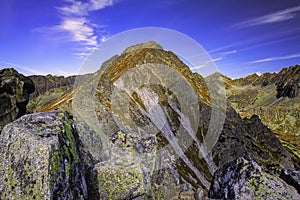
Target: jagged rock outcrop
292,178
286,81
287,84
14,95
46,83
241,137
40,158
243,179
265,90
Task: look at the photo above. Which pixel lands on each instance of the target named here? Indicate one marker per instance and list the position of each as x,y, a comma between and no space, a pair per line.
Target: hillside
46,83
49,89
275,98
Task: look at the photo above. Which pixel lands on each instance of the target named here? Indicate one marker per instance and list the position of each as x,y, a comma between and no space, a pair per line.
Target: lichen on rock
243,178
40,159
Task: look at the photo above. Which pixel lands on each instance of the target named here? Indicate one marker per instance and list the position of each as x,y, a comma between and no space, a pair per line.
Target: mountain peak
148,45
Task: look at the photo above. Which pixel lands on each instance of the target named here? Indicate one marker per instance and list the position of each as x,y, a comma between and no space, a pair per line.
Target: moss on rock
40,159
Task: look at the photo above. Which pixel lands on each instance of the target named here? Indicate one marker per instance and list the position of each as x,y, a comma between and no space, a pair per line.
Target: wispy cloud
297,55
217,59
197,67
228,52
258,41
275,17
82,54
217,56
223,49
79,8
206,64
78,28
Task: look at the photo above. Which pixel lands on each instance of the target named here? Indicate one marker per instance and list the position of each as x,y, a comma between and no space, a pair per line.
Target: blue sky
242,37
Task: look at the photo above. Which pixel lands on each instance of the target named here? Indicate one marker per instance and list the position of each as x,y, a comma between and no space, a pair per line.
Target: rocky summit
15,89
145,127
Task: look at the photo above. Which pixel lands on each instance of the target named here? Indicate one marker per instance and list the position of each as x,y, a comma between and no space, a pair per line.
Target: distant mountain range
144,127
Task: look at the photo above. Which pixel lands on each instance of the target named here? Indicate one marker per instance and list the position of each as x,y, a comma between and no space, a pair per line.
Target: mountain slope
275,99
46,83
52,89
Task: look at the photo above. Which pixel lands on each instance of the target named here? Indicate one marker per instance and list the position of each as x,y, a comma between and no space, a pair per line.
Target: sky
241,37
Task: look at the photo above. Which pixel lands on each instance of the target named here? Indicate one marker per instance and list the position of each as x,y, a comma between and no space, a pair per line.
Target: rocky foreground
131,134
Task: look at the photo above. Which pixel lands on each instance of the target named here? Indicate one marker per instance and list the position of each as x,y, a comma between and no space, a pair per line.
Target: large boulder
14,95
243,179
40,159
135,171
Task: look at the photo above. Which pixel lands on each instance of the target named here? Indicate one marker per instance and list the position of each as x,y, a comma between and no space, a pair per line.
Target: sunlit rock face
14,95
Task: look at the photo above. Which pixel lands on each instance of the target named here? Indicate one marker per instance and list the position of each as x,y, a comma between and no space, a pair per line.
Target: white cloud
221,48
75,8
228,52
80,8
74,21
297,55
206,63
104,38
82,54
100,4
216,59
275,17
80,30
197,67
